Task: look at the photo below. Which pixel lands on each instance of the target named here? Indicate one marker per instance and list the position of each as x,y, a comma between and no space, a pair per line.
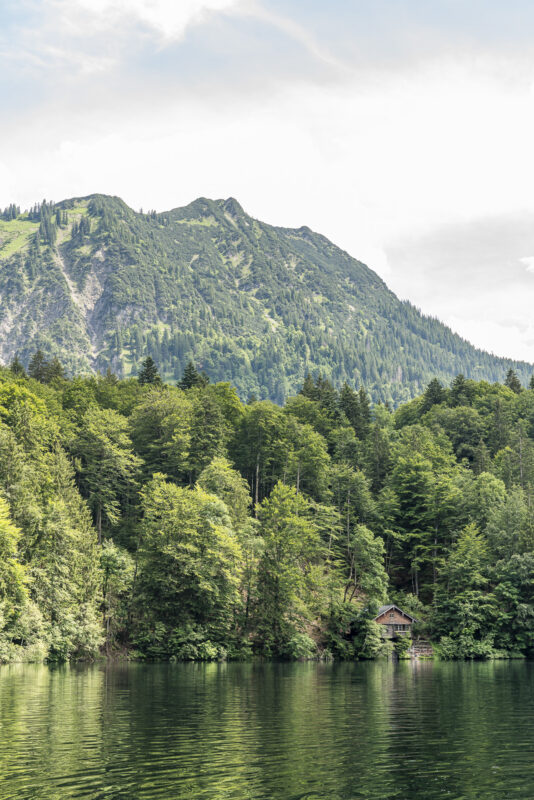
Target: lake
271,731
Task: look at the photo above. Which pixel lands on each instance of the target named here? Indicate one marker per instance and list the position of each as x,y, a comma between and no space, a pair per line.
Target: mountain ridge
100,285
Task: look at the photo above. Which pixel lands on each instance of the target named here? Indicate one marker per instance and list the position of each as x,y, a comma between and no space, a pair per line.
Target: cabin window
391,614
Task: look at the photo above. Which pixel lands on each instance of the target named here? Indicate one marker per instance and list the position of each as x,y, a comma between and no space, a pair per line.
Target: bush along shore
153,521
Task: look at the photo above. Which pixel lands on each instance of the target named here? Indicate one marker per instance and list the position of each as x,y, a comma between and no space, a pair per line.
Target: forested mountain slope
98,285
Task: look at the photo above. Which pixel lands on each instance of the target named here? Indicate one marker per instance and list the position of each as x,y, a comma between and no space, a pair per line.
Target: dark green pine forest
156,521
99,286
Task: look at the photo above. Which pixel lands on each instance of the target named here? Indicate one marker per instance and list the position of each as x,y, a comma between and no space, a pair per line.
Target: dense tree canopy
178,522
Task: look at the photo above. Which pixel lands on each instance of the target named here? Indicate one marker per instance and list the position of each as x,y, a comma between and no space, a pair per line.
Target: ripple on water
377,731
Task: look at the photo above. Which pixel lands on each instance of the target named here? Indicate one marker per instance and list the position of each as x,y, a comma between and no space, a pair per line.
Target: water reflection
270,731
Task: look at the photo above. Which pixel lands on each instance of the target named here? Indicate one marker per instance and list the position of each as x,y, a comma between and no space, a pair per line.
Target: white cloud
296,32
509,341
528,261
169,19
70,39
365,162
472,275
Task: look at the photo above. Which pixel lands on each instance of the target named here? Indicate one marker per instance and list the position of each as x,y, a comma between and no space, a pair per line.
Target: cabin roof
383,609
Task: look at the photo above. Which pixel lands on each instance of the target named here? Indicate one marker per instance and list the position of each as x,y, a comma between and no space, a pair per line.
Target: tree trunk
348,524
99,523
521,457
256,487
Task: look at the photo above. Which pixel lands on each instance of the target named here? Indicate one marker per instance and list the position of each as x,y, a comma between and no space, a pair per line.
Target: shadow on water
273,731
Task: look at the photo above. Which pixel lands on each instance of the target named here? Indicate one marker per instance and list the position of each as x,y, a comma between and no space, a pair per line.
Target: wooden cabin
396,622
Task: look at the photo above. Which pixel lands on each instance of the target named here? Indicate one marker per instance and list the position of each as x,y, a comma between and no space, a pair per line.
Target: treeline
178,522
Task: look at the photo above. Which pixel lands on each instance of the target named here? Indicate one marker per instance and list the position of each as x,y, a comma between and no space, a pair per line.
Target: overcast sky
403,131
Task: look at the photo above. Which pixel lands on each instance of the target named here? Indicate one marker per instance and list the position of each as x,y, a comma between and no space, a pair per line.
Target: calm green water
276,732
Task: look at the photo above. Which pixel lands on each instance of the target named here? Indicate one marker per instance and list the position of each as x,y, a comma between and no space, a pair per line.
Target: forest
150,521
100,286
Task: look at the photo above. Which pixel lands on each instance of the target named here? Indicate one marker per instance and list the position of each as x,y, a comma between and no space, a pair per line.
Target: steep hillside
100,285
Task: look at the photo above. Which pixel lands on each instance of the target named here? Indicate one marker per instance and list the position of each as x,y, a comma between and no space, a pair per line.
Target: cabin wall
396,619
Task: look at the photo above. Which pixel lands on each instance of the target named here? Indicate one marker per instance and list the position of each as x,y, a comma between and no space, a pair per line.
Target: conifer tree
54,370
433,396
349,402
107,464
481,458
38,367
191,377
308,388
149,372
291,543
17,368
110,377
461,391
513,382
207,434
365,412
12,573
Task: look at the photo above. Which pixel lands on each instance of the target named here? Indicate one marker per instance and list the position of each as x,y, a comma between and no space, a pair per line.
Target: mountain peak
100,285
232,207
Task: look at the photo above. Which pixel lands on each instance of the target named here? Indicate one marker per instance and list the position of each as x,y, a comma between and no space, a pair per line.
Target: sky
403,131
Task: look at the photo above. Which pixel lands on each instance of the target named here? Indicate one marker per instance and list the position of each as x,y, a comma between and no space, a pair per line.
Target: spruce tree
461,391
513,382
38,366
54,370
481,458
308,388
191,377
149,372
365,413
17,368
110,377
433,396
349,403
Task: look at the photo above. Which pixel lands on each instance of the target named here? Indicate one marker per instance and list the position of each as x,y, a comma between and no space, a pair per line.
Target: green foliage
206,291
180,523
189,563
17,368
64,572
40,368
148,372
287,580
351,633
161,432
192,377
402,645
107,466
13,591
367,577
513,382
220,479
118,569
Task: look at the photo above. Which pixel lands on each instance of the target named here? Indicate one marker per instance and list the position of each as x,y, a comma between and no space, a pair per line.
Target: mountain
100,285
